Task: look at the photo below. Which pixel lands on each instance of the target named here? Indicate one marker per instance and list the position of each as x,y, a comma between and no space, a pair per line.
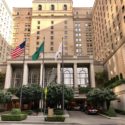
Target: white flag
59,52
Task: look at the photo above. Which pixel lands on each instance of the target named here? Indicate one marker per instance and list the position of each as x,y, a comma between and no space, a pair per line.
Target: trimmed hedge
120,111
15,111
12,117
55,119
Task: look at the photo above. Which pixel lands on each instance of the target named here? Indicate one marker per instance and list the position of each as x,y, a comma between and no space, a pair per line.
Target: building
109,41
5,49
53,21
5,31
21,26
109,35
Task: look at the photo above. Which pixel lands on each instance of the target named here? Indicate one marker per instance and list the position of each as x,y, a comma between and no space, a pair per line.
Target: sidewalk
75,117
38,119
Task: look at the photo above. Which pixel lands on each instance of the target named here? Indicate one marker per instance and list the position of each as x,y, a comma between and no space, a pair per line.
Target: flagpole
42,95
23,75
62,76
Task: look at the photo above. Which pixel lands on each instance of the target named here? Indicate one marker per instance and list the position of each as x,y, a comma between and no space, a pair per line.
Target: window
17,78
37,43
28,13
65,7
52,32
38,22
52,27
18,13
65,22
39,7
52,7
51,48
68,76
38,27
52,37
51,43
123,9
38,32
37,37
52,22
34,76
82,75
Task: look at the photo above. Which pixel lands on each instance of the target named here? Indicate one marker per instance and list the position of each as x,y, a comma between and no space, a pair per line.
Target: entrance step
76,92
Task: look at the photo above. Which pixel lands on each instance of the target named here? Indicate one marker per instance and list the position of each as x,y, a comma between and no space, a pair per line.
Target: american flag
18,50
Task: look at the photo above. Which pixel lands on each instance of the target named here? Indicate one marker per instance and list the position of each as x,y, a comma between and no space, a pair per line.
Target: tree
2,80
30,94
54,95
1,97
98,97
100,78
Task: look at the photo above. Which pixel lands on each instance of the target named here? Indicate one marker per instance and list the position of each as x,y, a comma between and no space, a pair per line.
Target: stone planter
50,112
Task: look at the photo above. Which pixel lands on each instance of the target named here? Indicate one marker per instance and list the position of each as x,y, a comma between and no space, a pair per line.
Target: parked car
91,110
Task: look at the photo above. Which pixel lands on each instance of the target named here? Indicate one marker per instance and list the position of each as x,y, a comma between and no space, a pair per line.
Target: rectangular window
52,32
52,37
37,37
52,22
38,27
51,48
38,22
52,27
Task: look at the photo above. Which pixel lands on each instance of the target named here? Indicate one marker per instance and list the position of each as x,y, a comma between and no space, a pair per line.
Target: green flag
35,56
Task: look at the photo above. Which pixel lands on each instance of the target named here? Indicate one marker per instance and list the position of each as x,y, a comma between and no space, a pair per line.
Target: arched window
34,76
52,7
68,77
65,7
39,7
82,74
17,78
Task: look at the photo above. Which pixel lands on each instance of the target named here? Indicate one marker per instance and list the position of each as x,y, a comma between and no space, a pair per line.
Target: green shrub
58,112
15,111
55,119
12,117
120,111
84,90
111,112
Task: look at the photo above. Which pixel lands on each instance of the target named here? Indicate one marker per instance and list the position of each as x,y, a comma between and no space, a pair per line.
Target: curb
23,122
105,116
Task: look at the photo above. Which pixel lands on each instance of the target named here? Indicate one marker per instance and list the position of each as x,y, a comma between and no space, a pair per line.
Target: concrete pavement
76,118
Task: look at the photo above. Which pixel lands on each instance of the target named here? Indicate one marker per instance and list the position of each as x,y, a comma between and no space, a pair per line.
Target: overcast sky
28,3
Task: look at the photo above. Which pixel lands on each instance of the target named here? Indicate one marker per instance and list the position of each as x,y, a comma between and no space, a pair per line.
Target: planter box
11,117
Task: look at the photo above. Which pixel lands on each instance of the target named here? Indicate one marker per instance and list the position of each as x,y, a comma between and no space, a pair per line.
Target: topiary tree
54,95
98,97
101,78
30,94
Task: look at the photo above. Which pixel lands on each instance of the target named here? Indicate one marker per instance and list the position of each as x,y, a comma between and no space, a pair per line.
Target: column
25,74
92,75
58,73
8,76
41,74
75,76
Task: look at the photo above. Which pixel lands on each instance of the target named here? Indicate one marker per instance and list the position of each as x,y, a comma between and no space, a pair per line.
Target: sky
28,3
